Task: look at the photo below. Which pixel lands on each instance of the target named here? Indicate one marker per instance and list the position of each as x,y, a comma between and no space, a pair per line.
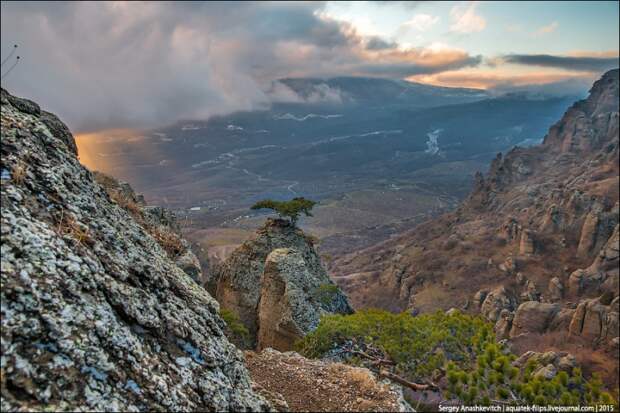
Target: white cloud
465,19
550,28
421,22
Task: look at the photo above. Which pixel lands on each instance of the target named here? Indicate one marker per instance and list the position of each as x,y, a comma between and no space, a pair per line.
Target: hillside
536,238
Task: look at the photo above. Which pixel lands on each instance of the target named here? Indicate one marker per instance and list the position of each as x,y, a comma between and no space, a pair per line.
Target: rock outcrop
293,298
551,361
596,321
496,301
277,286
533,317
95,313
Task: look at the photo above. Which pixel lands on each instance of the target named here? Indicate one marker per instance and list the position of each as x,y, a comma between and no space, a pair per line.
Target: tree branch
407,383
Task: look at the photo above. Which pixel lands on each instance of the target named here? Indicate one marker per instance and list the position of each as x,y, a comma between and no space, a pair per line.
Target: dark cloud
377,43
116,64
598,64
404,69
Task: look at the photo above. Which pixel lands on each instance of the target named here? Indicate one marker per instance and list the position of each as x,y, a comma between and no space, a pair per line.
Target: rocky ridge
96,315
534,247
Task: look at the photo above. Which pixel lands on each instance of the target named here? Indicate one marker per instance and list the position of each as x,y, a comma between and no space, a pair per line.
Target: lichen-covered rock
190,264
95,315
293,298
239,278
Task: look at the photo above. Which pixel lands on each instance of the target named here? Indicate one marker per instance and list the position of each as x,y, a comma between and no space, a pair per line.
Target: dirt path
319,386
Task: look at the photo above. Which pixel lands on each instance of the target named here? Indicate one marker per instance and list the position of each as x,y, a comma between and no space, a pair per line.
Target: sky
110,65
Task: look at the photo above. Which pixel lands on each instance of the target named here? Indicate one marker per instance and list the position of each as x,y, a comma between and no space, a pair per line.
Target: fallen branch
375,360
407,383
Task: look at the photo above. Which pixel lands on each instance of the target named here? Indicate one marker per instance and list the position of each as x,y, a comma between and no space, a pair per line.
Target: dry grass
168,240
361,378
68,225
19,172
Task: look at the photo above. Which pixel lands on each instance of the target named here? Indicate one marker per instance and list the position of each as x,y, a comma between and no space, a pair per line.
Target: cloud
465,20
106,65
281,91
377,43
559,82
550,28
576,63
421,22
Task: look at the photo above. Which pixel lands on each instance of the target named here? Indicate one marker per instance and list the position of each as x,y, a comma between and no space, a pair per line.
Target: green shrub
237,332
325,293
476,367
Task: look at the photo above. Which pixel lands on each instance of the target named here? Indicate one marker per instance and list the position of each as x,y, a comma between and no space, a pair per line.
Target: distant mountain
378,92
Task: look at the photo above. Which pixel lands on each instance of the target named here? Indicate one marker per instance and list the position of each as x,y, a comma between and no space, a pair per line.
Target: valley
383,157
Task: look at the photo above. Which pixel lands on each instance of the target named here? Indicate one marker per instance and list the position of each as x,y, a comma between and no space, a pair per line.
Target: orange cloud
488,80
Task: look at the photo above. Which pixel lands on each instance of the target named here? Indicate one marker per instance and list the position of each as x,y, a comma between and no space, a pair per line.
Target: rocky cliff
96,313
277,286
535,245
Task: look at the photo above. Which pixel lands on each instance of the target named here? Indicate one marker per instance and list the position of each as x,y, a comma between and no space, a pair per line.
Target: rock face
595,321
276,284
95,313
533,317
293,298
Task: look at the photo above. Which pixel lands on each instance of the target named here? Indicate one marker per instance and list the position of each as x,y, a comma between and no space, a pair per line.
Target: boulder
547,372
533,317
595,321
293,298
526,245
556,289
479,297
495,301
503,325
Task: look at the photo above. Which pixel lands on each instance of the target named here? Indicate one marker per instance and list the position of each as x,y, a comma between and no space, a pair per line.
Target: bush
325,293
462,347
237,331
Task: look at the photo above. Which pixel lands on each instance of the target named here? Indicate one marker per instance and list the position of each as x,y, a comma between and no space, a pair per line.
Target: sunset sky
117,65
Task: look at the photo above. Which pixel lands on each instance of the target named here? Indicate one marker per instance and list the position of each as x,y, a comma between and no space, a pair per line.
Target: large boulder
533,317
240,277
95,315
595,321
293,298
